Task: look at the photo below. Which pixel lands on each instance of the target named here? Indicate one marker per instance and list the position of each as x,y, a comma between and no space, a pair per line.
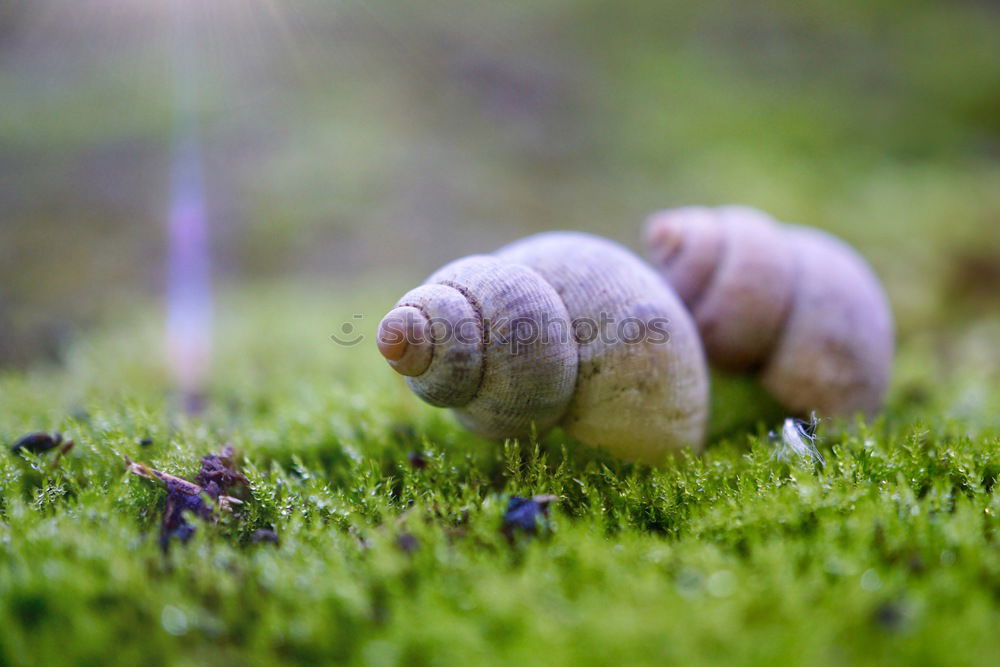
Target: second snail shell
794,304
638,399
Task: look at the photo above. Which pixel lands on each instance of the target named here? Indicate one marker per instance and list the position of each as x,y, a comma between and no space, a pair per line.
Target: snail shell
560,328
795,304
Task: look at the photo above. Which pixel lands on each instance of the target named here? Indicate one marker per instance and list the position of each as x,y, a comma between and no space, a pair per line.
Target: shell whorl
443,356
639,398
836,348
796,304
735,272
500,378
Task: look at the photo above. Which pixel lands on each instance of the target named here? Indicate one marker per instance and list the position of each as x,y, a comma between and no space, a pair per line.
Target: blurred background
347,144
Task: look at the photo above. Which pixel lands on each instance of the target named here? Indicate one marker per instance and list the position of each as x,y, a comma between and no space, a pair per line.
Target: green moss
889,553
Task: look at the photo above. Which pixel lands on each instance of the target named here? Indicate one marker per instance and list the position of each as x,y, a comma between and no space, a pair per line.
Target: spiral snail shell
795,304
560,328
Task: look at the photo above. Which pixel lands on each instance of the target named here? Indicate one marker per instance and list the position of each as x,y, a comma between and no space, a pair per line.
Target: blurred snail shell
797,305
560,328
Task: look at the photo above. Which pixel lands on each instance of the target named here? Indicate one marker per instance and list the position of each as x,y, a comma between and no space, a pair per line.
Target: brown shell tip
664,235
404,341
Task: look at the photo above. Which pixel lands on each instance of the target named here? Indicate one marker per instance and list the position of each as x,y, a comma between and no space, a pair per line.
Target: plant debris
417,460
407,542
889,616
219,475
526,514
40,442
797,441
211,490
262,535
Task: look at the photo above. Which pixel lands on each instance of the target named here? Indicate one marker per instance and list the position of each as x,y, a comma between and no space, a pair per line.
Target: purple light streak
189,288
189,291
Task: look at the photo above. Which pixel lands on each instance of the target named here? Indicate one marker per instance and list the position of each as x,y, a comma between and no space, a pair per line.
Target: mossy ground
890,553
